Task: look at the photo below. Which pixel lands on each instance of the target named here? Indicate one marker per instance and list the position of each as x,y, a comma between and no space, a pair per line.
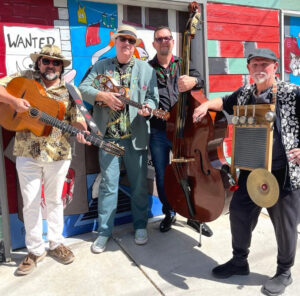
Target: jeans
160,148
135,162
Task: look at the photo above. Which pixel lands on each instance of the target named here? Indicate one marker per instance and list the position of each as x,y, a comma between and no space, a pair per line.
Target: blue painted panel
90,27
295,32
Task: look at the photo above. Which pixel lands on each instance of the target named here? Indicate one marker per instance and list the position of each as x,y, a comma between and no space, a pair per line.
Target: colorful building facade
83,29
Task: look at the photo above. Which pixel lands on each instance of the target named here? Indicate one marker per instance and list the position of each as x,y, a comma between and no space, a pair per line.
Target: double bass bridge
183,160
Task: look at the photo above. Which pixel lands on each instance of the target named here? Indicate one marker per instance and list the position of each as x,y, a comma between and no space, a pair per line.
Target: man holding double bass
44,159
170,84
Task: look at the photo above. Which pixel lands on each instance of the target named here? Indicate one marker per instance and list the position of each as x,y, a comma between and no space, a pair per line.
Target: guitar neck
131,103
73,131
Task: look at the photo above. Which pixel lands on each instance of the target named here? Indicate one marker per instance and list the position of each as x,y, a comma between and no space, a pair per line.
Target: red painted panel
272,46
231,49
21,10
219,83
222,31
241,15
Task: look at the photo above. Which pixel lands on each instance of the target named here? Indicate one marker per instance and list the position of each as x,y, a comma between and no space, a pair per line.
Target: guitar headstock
162,114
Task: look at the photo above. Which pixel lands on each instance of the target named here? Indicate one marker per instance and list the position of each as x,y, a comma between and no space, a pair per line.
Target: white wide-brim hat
128,31
52,52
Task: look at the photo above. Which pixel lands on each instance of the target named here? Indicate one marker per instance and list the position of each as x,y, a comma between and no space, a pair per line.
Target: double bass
198,163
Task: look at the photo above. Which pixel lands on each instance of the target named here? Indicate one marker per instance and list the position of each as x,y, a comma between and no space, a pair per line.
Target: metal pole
4,214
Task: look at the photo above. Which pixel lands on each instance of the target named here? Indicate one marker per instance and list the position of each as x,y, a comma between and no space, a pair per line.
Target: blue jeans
160,148
135,162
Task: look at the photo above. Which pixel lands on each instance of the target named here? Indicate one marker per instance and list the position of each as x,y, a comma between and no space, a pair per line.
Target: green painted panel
212,48
213,95
290,4
237,66
275,4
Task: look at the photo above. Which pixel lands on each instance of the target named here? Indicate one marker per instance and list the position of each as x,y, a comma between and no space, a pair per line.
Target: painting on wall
292,49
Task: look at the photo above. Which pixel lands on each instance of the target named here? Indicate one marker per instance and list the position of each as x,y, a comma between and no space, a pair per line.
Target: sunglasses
55,63
162,39
130,40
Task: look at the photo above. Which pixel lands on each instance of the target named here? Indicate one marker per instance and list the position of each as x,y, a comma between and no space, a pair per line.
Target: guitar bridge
183,160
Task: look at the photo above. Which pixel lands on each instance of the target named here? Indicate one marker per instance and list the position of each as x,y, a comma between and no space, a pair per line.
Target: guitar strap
87,116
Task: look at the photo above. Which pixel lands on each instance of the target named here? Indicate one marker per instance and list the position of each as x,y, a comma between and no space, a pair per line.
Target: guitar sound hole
33,112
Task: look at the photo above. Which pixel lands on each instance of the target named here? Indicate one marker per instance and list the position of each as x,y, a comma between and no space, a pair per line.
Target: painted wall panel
231,49
241,15
213,48
221,83
242,32
237,66
266,3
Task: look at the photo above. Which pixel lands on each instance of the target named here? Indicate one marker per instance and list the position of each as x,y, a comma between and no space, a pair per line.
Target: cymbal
263,188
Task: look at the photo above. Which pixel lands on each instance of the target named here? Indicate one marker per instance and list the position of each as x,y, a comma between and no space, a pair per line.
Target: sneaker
166,223
29,263
99,244
62,254
277,284
229,269
141,236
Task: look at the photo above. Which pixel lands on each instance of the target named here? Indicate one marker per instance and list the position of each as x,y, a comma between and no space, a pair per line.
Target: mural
292,49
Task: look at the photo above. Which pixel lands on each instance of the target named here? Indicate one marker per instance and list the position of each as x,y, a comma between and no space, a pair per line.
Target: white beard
260,80
50,76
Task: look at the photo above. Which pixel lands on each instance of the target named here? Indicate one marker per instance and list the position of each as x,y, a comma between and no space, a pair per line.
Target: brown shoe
63,254
29,263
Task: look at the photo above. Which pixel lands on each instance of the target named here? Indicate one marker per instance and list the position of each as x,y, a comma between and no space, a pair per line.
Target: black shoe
166,223
206,231
229,269
277,284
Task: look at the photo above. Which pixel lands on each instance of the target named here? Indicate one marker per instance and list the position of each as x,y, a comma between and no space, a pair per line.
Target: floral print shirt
56,146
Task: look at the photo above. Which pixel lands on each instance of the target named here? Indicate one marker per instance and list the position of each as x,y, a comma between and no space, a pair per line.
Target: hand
110,99
294,155
80,138
186,83
145,111
200,112
21,105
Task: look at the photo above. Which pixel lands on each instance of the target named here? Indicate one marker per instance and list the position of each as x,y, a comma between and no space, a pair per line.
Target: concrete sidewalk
169,264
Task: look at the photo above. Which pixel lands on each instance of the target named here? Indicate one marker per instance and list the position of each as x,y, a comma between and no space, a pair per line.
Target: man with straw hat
128,127
44,160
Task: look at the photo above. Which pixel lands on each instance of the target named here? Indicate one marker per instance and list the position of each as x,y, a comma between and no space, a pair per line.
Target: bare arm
214,104
20,105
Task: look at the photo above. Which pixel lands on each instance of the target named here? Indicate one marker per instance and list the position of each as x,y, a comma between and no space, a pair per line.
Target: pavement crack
116,240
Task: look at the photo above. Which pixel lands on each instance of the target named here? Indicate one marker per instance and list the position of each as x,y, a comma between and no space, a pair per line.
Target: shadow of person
176,257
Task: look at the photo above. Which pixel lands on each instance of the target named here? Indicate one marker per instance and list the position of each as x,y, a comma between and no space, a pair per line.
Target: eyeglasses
162,39
130,40
55,63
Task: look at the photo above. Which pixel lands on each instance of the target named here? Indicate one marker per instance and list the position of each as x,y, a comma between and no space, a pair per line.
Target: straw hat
128,31
52,52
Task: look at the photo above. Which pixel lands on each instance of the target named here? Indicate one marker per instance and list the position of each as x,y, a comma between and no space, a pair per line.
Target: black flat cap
262,53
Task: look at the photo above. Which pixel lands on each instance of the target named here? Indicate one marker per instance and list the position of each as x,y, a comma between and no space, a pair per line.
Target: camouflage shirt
56,146
118,125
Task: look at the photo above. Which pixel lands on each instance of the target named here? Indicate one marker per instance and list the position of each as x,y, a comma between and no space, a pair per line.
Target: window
156,17
132,15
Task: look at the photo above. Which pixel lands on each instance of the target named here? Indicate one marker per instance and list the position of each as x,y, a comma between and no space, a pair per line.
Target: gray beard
50,76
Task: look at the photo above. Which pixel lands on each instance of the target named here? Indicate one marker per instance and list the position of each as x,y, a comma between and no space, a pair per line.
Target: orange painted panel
221,83
231,49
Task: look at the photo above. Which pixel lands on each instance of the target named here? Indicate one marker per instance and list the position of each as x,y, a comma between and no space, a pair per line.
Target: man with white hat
44,160
126,126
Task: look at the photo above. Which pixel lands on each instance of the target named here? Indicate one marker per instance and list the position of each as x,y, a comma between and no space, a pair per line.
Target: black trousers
284,215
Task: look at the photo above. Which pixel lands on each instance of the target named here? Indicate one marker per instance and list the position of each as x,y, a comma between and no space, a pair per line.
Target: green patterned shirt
118,125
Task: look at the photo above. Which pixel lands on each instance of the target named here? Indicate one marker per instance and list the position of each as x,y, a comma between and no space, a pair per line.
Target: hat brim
36,56
116,35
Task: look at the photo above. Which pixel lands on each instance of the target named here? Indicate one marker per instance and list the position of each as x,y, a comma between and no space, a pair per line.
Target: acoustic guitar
107,83
43,114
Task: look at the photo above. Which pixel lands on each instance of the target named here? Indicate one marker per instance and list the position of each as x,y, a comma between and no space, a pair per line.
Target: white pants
31,175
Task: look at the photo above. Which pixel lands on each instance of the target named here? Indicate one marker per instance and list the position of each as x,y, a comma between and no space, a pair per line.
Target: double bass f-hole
207,173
